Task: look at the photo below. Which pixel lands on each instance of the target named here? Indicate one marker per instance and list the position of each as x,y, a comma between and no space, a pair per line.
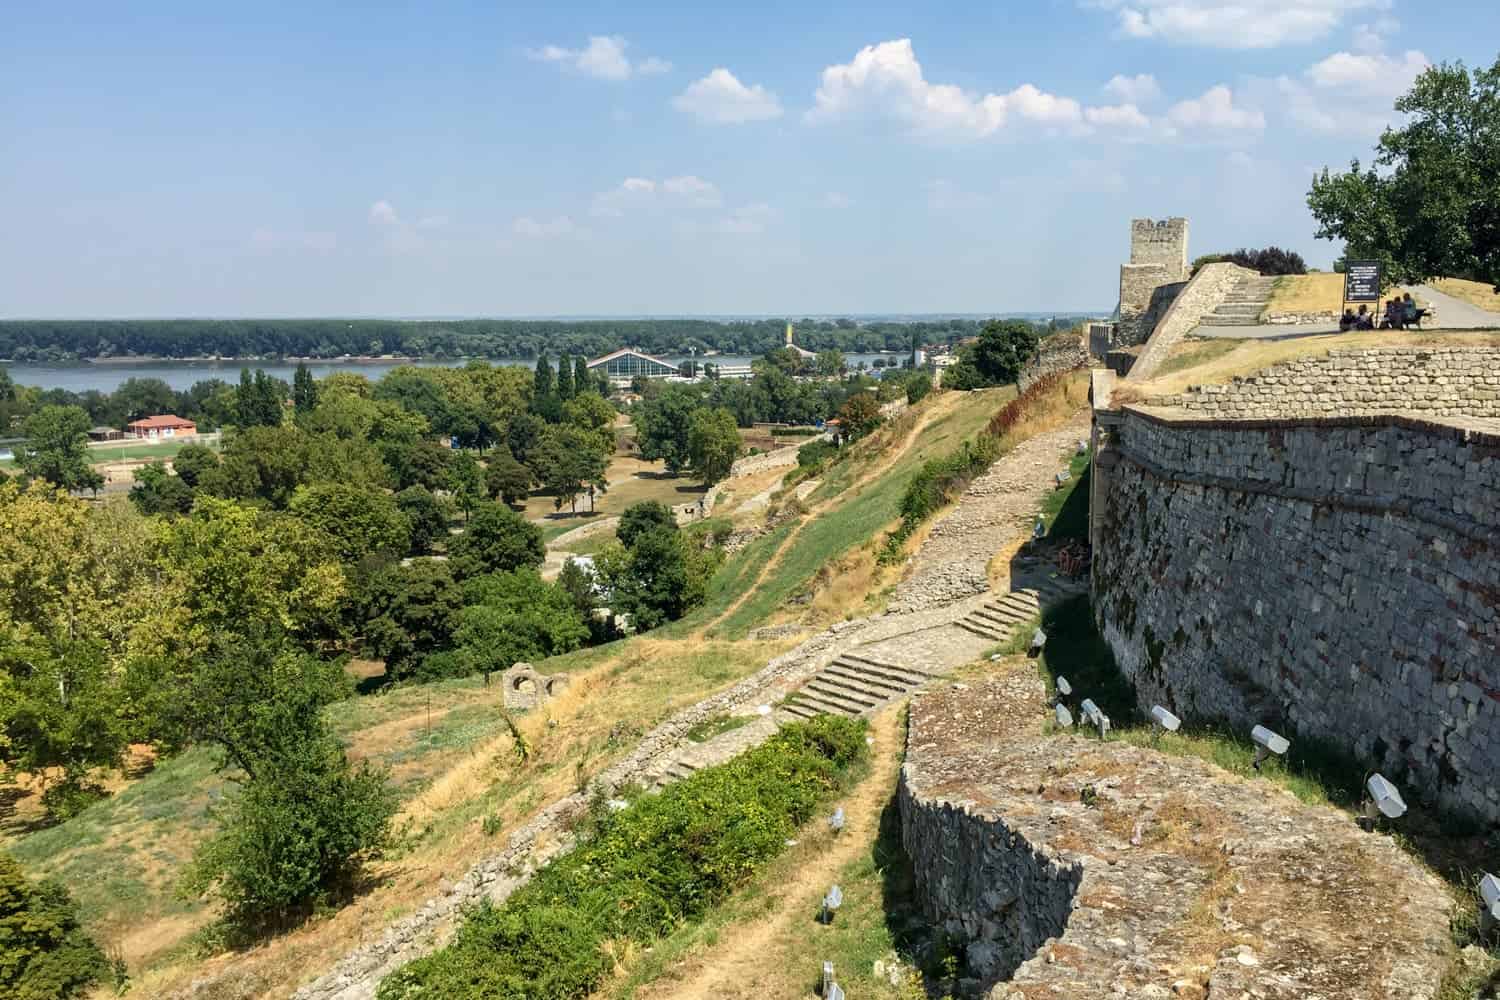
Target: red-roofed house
161,426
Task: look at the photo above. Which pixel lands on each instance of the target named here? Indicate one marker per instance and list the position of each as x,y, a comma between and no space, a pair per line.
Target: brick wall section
1202,295
1445,381
1330,578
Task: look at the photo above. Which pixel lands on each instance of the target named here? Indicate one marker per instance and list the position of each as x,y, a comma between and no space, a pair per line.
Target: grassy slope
857,514
1476,293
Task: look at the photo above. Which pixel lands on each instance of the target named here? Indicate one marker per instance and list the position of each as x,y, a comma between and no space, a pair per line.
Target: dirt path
736,966
871,474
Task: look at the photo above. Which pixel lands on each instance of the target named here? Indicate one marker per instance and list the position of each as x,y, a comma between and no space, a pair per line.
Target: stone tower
1157,271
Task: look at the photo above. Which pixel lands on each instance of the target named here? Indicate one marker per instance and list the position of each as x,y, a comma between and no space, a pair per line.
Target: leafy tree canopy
496,540
56,448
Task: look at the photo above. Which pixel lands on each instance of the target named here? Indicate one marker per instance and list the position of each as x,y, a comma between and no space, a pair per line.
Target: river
107,376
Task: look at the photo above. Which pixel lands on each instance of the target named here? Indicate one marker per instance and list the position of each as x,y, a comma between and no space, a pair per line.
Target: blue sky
567,158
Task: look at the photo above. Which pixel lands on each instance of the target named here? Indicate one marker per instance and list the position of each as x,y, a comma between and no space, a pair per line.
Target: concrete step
983,631
850,700
1227,321
908,676
822,704
1005,614
1240,309
800,711
1021,603
867,678
1261,282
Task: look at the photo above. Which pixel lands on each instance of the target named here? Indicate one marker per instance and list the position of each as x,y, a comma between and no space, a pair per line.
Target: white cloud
1117,115
1215,111
747,220
535,229
721,99
1368,75
383,213
1134,90
695,189
603,58
885,80
1233,24
837,199
635,191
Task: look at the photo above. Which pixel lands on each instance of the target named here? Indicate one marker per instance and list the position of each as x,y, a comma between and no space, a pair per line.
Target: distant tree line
63,340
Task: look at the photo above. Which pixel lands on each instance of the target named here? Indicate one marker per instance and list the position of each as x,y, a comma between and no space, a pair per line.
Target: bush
640,518
44,954
815,453
641,873
425,514
918,386
411,613
936,483
497,540
1269,261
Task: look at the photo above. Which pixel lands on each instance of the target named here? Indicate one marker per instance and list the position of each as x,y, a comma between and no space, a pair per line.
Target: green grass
99,454
1195,353
1066,510
718,725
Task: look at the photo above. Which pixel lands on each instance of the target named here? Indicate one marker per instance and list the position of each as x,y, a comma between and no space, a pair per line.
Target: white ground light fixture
1266,744
1385,798
831,902
1063,687
1165,721
1038,640
1064,717
1094,717
1489,891
836,821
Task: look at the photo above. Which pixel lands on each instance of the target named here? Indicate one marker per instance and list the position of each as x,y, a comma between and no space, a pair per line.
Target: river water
107,376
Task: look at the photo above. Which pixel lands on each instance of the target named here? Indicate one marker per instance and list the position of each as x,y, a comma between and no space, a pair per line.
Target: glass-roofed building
624,365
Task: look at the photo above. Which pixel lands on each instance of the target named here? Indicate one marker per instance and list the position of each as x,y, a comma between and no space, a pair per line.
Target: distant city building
163,425
623,366
106,434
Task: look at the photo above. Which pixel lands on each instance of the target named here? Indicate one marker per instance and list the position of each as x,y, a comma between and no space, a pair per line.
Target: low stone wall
1058,354
1203,294
1438,381
1074,869
1331,578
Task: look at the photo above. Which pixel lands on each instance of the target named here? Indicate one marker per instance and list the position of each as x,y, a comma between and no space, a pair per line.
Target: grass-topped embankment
641,872
1315,771
1479,294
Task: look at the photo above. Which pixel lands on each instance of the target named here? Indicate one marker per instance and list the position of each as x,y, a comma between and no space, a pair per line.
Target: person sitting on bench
1347,321
1410,314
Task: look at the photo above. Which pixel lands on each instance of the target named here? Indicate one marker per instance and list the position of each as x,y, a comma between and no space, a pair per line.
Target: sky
517,159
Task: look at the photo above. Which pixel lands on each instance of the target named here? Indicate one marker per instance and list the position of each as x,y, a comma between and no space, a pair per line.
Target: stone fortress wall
1331,577
1437,381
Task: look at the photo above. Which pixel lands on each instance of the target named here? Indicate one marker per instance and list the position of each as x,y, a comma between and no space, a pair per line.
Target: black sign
1362,281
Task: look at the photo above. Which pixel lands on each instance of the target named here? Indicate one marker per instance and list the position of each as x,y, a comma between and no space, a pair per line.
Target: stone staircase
998,619
852,685
1244,303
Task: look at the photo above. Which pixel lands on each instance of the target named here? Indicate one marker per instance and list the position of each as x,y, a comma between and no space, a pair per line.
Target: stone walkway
998,507
1452,314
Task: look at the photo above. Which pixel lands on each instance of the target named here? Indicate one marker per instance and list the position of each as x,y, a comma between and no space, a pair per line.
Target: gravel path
953,562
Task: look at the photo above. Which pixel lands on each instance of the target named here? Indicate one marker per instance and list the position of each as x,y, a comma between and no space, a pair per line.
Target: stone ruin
1157,271
524,688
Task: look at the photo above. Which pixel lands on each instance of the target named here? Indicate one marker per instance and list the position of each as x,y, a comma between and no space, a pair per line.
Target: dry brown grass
1251,355
1307,293
1476,293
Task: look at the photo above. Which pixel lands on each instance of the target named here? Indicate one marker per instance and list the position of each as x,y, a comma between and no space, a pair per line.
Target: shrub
497,540
411,613
918,385
424,512
44,954
815,453
1269,261
641,873
640,518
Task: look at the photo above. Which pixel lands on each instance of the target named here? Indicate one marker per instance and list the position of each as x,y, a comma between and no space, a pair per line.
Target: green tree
304,390
424,513
663,422
830,362
859,415
142,397
657,579
496,540
359,523
419,463
583,380
258,401
1003,350
543,385
642,517
516,617
570,463
465,482
918,385
565,386
506,479
44,952
306,820
581,586
524,435
713,444
1430,204
57,448
157,491
192,461
591,412
411,613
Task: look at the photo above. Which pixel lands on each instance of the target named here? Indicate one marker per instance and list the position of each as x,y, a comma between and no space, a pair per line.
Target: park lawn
111,453
452,762
631,481
1479,294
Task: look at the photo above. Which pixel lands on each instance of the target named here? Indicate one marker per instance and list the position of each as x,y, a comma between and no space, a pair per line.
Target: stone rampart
1059,353
1438,381
1201,296
1334,578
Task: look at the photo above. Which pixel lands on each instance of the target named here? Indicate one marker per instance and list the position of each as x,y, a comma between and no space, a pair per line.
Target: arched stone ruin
525,688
